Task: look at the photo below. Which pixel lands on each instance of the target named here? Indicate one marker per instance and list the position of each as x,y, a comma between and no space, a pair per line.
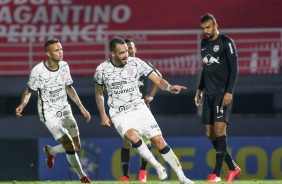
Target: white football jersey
122,83
50,86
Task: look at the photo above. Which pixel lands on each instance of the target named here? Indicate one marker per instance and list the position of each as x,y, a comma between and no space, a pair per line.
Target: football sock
220,154
173,161
74,162
57,149
144,152
125,158
144,162
228,158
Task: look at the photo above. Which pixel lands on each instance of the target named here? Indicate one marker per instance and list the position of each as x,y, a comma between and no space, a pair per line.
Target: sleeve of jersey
145,68
155,70
233,65
98,76
69,79
202,82
33,82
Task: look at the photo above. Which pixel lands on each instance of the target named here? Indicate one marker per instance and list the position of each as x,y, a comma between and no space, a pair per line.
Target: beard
122,61
208,36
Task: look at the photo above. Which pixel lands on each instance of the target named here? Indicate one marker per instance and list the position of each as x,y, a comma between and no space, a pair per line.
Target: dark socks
228,158
220,154
125,157
144,162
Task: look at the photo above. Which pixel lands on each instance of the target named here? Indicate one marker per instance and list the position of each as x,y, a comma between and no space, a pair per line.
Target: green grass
148,182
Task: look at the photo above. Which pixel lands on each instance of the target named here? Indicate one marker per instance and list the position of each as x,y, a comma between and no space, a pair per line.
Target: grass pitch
148,182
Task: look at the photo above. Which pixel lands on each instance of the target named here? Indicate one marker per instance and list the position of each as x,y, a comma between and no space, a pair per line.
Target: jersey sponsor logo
208,59
59,114
55,93
216,48
58,98
128,90
230,47
119,83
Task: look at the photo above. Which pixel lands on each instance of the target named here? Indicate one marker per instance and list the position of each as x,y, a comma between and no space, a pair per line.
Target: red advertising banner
84,27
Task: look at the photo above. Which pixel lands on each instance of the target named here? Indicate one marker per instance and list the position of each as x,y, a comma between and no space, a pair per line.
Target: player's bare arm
149,97
197,98
73,95
99,90
164,85
25,98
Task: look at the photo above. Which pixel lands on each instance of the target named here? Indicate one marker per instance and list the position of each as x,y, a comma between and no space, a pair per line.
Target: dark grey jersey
220,68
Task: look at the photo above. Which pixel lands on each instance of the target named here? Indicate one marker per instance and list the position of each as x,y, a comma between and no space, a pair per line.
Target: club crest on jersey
62,78
130,71
216,48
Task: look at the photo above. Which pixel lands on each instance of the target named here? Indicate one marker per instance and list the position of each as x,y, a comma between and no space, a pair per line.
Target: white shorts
60,123
140,120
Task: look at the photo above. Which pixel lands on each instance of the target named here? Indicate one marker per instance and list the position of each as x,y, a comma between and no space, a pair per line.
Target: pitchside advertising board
258,157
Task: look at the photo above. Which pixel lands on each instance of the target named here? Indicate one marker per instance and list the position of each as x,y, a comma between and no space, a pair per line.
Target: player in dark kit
125,150
218,80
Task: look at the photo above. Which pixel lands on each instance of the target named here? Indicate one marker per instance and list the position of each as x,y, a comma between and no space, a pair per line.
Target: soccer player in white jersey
128,111
52,81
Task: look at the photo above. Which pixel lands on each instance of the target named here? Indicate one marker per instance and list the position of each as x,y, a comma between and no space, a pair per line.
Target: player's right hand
197,98
106,121
19,111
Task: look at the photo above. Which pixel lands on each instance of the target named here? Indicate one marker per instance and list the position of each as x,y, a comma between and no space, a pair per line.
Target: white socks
57,149
74,162
147,155
173,161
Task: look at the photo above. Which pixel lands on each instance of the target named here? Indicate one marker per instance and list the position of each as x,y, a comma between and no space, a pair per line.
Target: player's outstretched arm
25,98
164,85
73,95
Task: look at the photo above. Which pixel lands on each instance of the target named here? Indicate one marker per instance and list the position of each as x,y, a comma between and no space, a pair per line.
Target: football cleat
185,180
124,179
85,179
233,174
142,176
213,178
50,158
161,173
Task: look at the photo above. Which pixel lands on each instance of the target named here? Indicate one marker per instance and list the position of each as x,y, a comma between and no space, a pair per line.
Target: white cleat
186,181
161,173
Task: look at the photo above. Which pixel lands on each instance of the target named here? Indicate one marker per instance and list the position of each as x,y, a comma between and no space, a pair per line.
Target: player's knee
67,143
158,142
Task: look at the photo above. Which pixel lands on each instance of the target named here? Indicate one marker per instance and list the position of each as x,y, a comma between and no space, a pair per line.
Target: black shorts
212,111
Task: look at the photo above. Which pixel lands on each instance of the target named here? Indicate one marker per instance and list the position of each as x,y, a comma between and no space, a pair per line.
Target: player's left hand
227,99
175,89
86,115
148,99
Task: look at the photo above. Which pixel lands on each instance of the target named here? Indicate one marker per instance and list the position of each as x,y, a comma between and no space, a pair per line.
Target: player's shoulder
225,38
39,66
63,63
104,64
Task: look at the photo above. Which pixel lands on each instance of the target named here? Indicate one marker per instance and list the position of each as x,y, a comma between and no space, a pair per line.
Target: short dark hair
128,40
50,42
207,17
114,41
